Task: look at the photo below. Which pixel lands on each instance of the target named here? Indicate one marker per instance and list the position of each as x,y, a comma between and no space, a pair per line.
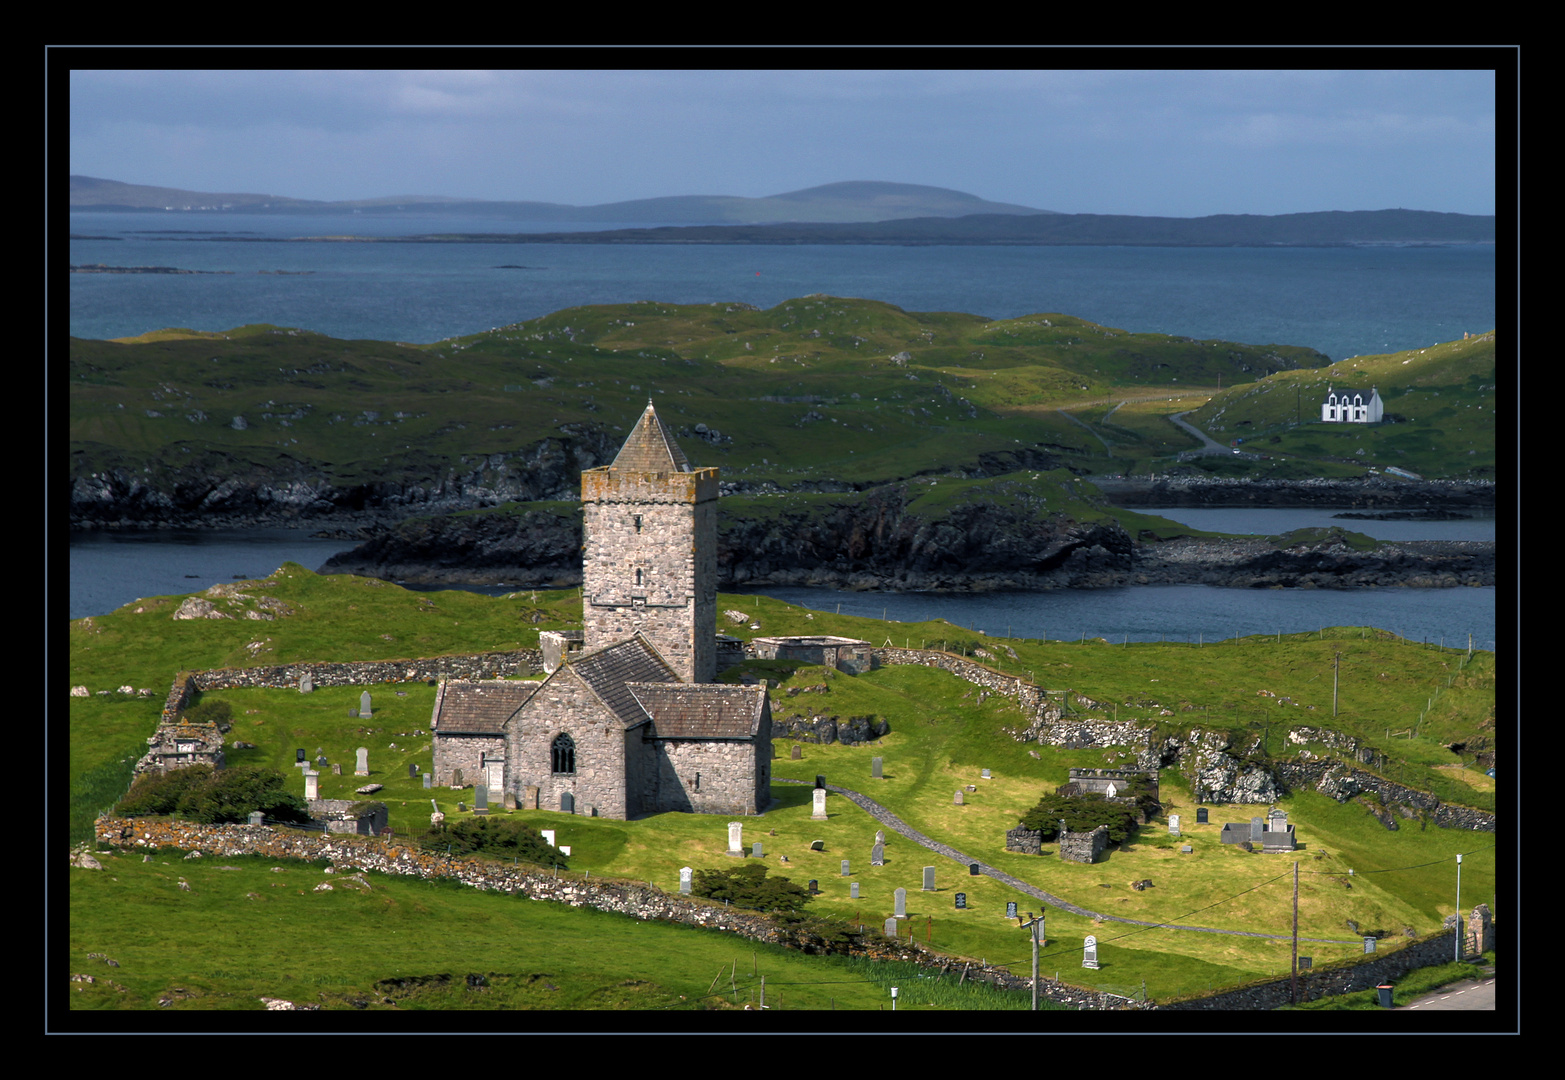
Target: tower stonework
649,563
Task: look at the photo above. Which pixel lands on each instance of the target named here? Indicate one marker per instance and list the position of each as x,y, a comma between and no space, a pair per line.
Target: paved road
1475,994
891,821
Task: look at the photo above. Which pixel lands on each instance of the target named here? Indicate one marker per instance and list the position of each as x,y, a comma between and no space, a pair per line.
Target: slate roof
701,710
651,448
478,707
608,670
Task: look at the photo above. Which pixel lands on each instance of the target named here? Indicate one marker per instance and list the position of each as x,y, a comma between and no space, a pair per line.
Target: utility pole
1336,661
1459,906
1293,979
1037,929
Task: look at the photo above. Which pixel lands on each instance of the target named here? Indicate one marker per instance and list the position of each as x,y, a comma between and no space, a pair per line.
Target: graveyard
943,736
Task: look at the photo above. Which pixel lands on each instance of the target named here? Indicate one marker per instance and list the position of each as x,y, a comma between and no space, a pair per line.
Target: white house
1341,408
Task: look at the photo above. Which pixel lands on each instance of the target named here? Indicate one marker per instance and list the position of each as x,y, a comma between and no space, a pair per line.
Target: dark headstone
567,802
815,887
1200,815
961,901
820,781
412,770
299,755
972,869
1305,962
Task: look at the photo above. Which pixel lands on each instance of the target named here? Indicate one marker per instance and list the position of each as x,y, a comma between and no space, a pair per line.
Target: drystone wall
624,898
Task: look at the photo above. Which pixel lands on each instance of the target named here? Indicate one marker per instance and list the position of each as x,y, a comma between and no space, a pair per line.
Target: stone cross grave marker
819,811
844,867
736,839
364,706
875,768
901,900
312,784
958,801
877,855
797,752
757,851
306,684
1089,958
929,878
361,766
684,880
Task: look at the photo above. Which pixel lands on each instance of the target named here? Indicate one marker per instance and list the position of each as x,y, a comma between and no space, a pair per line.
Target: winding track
891,821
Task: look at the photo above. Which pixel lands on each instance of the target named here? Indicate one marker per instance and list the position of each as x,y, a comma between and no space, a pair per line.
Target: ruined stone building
630,721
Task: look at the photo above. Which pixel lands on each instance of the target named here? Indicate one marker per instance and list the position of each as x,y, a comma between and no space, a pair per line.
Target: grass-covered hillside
943,732
1440,405
814,388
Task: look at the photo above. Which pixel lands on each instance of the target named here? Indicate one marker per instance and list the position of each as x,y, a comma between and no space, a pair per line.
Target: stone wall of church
465,752
567,705
707,777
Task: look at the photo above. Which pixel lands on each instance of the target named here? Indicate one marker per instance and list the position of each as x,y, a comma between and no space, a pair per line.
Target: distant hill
850,201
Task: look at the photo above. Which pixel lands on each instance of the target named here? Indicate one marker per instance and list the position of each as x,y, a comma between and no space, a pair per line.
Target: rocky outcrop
1329,563
854,731
1365,495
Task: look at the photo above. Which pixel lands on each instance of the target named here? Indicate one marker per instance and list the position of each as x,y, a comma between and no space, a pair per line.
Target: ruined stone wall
495,665
1029,697
1084,847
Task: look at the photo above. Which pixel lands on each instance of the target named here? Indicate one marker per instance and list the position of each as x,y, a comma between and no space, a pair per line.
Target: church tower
649,559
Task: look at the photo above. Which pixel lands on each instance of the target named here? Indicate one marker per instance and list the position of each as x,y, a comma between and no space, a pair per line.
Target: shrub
209,712
1082,813
232,795
498,837
160,793
749,887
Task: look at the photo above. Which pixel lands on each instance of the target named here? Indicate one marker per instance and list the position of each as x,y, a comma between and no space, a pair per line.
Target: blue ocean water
1341,301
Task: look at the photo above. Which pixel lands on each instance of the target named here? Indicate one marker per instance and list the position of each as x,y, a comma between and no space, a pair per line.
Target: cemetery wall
1029,697
358,673
1343,977
624,898
1342,782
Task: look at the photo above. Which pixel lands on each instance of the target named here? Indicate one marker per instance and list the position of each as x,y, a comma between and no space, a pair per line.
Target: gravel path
896,824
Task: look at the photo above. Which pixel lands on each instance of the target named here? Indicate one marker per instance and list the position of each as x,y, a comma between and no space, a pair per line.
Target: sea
257,268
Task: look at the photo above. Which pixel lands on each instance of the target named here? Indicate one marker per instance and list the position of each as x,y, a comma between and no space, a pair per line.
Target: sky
1178,143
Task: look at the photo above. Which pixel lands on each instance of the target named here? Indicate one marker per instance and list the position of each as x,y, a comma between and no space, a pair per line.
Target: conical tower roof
651,447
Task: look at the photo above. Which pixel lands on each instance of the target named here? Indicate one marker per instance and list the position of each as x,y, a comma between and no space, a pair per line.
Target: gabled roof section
651,448
701,710
478,707
607,671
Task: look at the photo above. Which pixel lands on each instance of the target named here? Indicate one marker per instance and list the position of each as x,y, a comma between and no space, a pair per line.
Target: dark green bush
233,794
160,793
1082,813
209,712
748,886
501,838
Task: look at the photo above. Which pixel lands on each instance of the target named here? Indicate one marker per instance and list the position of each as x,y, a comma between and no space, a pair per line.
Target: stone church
632,722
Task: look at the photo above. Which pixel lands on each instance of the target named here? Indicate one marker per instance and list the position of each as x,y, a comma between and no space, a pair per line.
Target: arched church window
562,754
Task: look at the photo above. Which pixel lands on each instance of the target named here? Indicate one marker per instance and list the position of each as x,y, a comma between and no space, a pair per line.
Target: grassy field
941,738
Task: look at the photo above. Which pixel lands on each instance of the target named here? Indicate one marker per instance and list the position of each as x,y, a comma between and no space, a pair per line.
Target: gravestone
1369,944
736,839
901,901
684,880
853,891
567,802
757,851
877,855
972,869
364,706
880,836
986,775
353,714
817,845
819,811
412,770
958,797
890,929
797,752
456,778
1089,958
815,887
321,762
300,761
336,770
256,818
1200,815
820,781
961,901
929,878
312,784
481,799
306,684
428,777
1010,909
875,768
1256,826
361,766
1306,962
1173,824
844,867
1186,849
529,797
548,836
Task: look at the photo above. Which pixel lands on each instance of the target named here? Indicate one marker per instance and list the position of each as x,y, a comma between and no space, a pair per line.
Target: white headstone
986,774
875,768
306,684
819,811
958,797
364,705
1089,957
844,867
684,880
312,784
361,765
877,855
901,900
736,838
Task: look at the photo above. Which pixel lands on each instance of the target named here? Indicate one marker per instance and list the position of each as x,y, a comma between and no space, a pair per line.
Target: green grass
1409,989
